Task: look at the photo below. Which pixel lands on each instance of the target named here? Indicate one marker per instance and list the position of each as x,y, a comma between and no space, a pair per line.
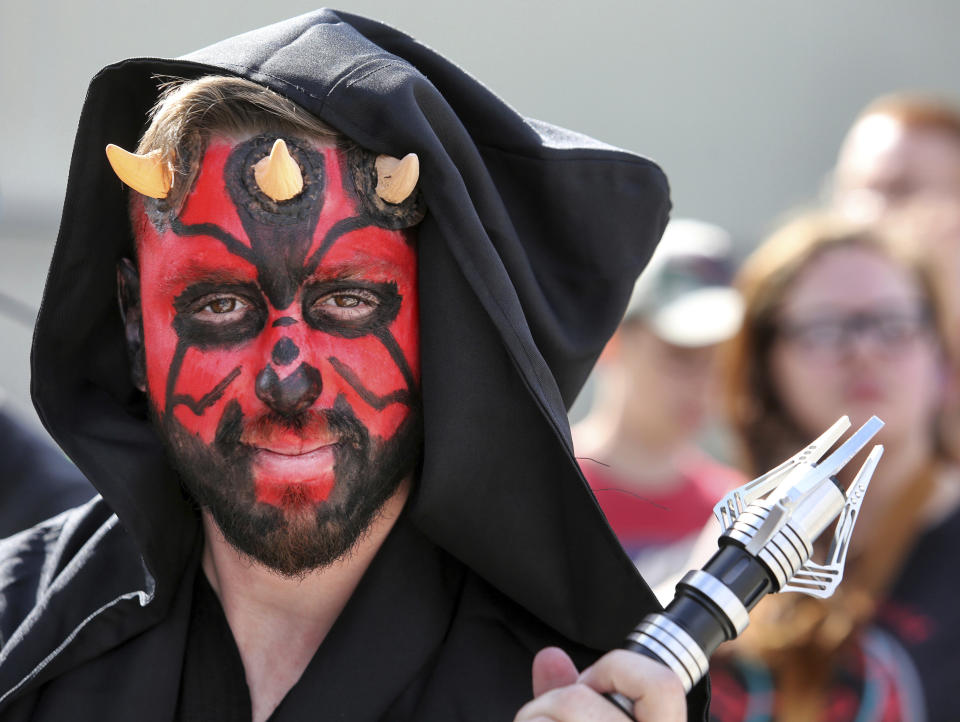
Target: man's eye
221,309
347,306
222,305
218,315
350,308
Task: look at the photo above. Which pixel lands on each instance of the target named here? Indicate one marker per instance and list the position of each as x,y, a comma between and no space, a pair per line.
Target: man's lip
289,442
288,468
308,476
305,447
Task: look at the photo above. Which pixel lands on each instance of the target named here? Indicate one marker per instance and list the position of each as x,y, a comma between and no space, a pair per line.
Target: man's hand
563,695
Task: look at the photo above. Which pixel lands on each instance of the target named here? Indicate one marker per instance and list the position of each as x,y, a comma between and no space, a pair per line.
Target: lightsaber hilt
769,527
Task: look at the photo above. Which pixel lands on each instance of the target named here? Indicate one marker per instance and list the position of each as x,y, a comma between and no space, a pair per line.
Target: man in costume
328,426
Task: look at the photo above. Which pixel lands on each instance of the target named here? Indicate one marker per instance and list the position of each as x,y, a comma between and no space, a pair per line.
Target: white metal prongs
734,502
851,447
826,468
807,479
821,580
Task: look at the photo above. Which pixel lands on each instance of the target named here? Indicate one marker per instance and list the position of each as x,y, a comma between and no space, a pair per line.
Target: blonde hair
189,112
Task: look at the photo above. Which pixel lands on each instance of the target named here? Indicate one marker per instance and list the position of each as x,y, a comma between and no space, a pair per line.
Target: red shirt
642,519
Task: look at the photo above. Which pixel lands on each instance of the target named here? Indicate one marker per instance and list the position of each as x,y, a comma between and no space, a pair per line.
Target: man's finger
655,689
572,703
552,668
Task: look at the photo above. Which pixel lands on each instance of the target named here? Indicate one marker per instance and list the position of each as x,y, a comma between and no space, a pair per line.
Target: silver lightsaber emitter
769,527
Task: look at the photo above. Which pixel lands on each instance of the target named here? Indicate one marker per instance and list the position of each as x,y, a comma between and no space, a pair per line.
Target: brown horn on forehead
397,178
278,174
146,174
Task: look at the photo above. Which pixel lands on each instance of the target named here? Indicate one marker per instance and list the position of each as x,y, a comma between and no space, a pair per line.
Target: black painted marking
396,353
174,373
360,171
284,321
230,427
233,244
210,398
336,231
291,395
280,233
285,352
241,179
400,396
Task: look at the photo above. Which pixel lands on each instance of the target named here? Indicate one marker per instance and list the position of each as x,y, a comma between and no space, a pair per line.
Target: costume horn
397,178
278,175
146,174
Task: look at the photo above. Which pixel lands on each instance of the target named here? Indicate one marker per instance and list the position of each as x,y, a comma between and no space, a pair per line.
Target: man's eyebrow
355,268
194,274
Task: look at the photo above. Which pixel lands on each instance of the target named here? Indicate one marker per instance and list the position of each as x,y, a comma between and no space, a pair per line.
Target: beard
301,534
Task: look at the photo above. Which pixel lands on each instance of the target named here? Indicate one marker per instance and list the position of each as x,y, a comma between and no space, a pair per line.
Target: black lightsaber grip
710,608
712,605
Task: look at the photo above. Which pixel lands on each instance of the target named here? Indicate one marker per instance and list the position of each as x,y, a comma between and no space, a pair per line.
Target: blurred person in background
655,390
840,319
900,162
901,147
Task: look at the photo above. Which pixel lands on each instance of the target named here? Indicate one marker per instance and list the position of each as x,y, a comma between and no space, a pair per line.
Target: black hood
530,247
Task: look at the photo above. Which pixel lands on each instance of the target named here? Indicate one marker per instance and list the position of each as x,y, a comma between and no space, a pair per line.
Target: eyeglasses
888,330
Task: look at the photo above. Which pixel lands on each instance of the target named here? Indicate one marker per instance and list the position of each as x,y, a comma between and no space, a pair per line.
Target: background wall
743,102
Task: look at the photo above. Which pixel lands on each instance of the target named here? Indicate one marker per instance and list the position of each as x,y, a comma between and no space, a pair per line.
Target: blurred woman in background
840,319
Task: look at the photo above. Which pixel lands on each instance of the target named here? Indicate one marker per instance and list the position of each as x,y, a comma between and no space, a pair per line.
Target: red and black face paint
281,348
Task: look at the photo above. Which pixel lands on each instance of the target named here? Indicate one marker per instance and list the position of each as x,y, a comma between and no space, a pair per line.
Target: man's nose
293,393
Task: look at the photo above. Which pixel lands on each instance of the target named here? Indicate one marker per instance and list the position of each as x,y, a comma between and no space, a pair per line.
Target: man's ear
128,294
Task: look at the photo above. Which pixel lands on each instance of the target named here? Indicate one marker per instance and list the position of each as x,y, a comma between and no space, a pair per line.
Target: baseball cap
684,294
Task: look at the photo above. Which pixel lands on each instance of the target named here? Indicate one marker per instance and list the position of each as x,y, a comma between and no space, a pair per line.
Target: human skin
668,387
884,163
652,399
903,385
561,694
280,352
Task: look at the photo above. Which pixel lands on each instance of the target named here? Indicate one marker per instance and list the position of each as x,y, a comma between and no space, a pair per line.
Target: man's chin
289,511
292,544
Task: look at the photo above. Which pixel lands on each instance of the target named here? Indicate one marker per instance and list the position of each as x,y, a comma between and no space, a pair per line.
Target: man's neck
278,622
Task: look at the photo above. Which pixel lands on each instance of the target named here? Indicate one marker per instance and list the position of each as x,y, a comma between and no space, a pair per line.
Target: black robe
532,240
36,480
